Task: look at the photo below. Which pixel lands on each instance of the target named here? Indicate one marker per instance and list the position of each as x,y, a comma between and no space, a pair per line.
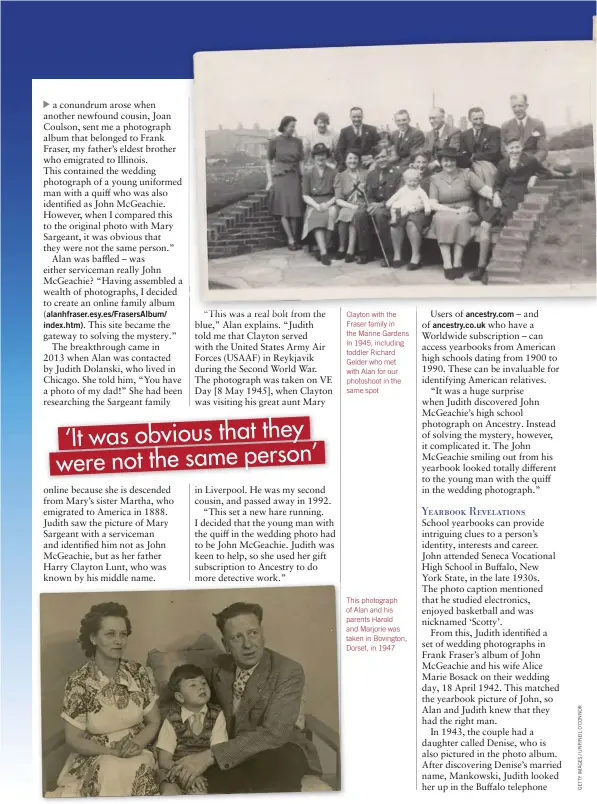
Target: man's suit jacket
268,711
412,140
489,147
367,140
450,136
535,137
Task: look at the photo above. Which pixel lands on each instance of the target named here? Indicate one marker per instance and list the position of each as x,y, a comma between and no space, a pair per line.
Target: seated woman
416,223
284,168
318,195
349,188
110,714
452,195
321,133
516,174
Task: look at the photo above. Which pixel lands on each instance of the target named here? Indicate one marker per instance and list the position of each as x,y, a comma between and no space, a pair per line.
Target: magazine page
309,464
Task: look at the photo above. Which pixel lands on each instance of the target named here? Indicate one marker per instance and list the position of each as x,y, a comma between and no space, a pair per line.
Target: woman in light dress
453,192
110,715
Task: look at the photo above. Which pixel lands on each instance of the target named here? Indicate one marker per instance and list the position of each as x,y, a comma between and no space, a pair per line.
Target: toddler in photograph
409,198
192,724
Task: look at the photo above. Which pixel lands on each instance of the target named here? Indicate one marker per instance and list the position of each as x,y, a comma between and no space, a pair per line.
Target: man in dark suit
260,692
383,180
480,150
358,135
406,139
480,143
442,135
529,130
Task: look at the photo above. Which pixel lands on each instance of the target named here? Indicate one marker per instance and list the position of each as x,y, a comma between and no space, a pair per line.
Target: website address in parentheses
579,747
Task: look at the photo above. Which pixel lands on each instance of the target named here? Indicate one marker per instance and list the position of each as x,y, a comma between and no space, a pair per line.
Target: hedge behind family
243,740
368,184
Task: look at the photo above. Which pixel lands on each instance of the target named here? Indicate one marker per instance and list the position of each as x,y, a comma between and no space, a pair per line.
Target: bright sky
262,86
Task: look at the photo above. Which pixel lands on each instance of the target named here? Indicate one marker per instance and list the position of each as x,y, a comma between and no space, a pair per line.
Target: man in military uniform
383,180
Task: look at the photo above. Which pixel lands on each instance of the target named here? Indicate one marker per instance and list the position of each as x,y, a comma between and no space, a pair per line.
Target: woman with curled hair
284,167
322,133
110,714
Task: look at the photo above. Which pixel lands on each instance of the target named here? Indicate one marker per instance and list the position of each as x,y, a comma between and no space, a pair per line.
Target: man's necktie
196,722
521,130
240,682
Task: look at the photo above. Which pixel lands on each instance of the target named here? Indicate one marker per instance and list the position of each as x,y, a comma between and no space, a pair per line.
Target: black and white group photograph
402,171
189,692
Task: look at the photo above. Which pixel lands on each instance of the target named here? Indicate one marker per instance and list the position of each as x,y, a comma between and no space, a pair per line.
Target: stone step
526,214
513,235
497,270
250,206
535,206
505,266
537,196
511,259
508,242
509,252
547,192
523,224
502,279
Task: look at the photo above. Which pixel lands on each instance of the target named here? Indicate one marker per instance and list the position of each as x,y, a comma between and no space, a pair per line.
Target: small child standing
192,724
409,198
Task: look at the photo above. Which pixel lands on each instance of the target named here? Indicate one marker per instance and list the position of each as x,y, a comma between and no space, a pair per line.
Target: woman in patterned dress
110,713
318,195
452,194
351,193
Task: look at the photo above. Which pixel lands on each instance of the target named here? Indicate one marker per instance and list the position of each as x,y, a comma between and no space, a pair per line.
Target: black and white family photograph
189,692
420,170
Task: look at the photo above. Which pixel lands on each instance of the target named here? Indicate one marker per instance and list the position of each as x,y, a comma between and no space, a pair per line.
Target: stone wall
243,227
247,226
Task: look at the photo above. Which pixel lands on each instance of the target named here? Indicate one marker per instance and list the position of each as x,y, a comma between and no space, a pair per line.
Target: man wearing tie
440,136
359,135
529,130
406,139
260,692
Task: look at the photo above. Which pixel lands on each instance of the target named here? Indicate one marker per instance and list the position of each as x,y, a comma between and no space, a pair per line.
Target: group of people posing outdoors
393,187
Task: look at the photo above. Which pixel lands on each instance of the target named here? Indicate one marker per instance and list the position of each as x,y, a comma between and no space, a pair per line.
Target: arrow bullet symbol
46,104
